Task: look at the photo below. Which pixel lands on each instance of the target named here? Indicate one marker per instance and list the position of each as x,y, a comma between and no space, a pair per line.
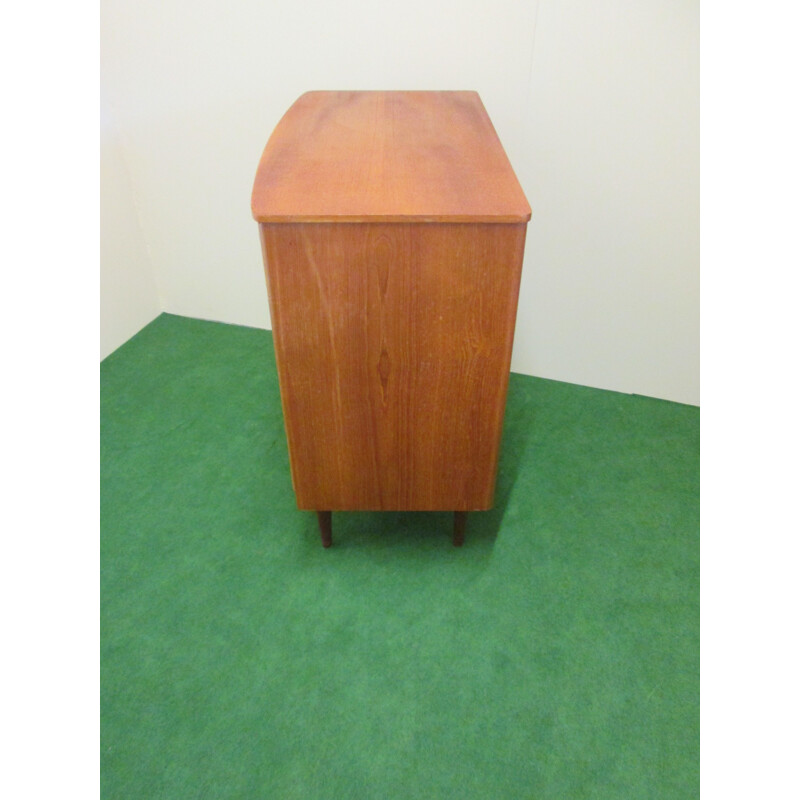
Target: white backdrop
595,101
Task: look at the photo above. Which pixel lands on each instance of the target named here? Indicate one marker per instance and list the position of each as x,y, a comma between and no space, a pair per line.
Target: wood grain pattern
387,157
393,344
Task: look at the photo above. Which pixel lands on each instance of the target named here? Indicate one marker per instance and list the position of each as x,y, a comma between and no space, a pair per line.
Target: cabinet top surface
388,157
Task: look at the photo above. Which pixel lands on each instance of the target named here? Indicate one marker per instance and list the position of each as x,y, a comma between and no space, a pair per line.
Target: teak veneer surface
387,156
393,344
393,230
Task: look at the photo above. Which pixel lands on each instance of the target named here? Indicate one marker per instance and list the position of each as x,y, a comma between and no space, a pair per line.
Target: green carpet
556,655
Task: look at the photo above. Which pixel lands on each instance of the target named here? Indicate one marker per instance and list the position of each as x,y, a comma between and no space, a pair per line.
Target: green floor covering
556,655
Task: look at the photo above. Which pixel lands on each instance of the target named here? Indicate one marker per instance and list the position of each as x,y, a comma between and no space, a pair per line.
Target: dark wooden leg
324,520
459,526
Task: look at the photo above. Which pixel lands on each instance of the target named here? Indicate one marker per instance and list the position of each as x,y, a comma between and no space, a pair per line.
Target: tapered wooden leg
324,520
459,526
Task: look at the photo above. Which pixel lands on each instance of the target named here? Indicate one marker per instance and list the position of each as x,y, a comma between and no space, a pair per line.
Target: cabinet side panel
393,345
466,310
304,310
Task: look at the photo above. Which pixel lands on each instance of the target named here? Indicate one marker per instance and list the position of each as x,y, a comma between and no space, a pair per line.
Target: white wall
129,297
611,167
596,102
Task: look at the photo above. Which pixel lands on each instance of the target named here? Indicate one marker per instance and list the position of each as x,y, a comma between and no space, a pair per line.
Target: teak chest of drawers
392,228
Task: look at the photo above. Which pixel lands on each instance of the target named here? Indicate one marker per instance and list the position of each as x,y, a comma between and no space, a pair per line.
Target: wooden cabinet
393,229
